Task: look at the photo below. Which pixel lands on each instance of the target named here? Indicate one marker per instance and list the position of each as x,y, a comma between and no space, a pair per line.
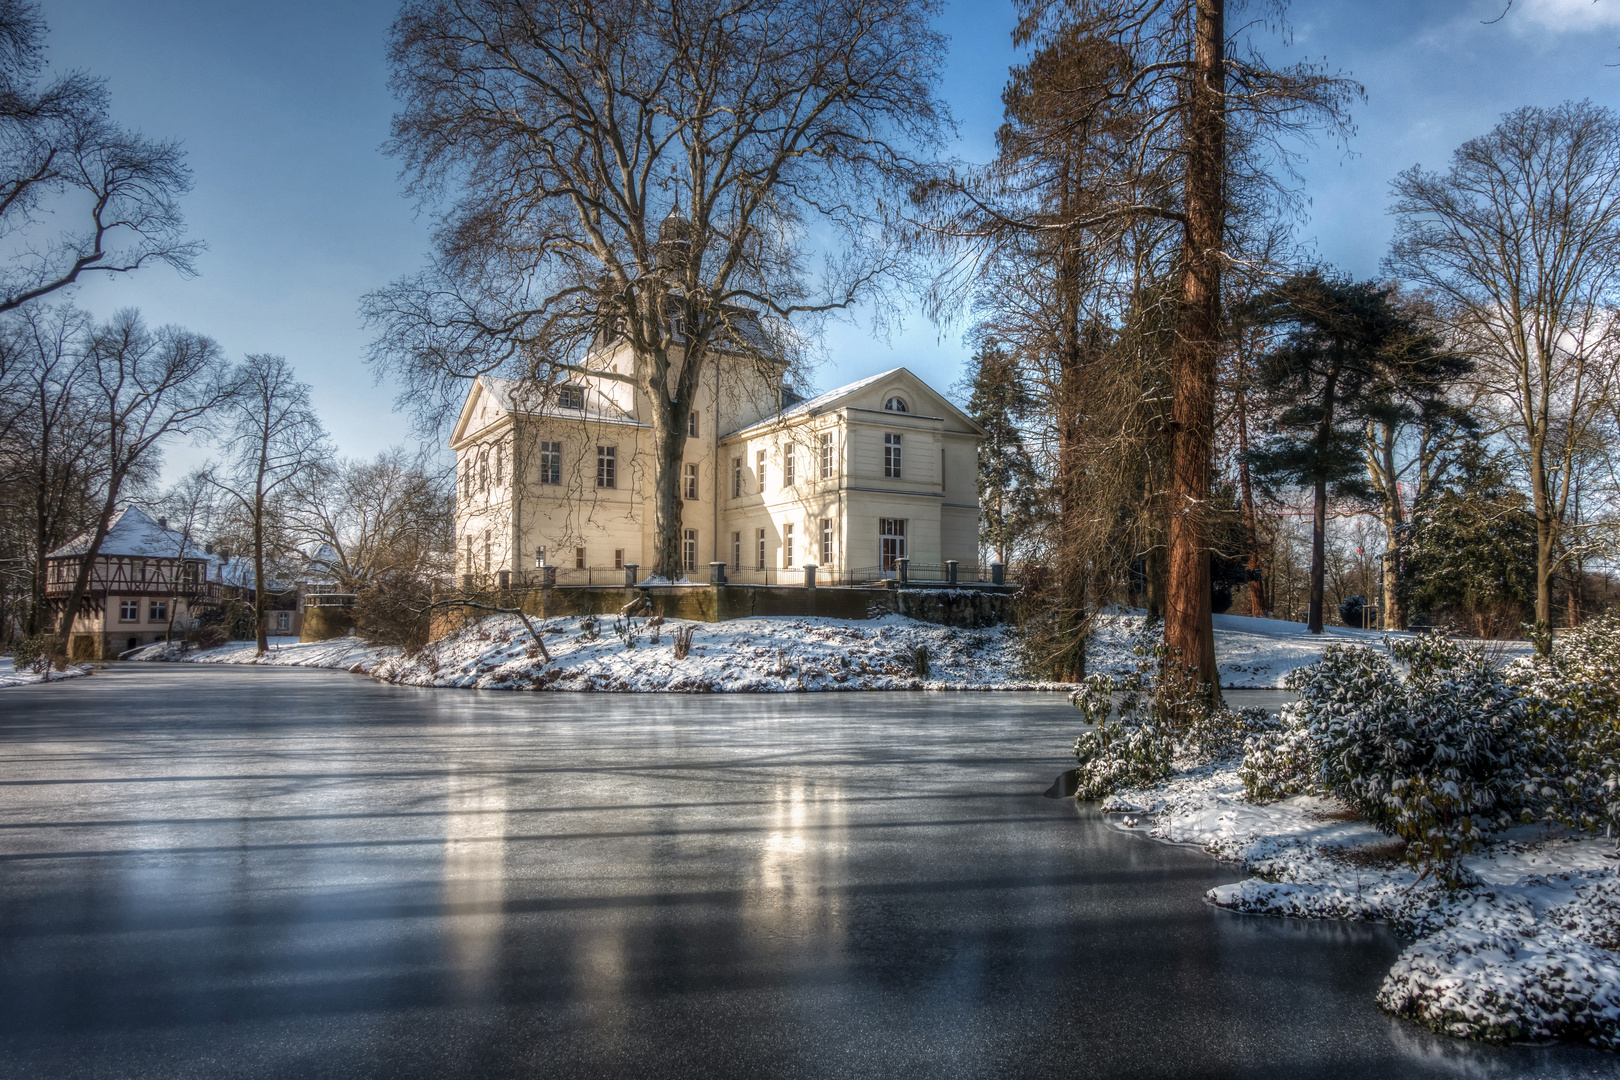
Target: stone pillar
630,569
950,571
998,574
902,570
548,577
717,573
809,575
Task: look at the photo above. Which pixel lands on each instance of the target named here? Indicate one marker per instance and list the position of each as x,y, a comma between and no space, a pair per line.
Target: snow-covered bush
1279,763
1151,717
1573,698
1434,756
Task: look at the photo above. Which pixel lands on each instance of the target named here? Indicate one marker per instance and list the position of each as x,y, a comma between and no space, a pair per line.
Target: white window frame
759,470
790,465
787,545
827,535
759,560
607,467
736,477
891,456
891,542
826,455
129,611
571,396
157,611
689,481
736,551
551,462
689,549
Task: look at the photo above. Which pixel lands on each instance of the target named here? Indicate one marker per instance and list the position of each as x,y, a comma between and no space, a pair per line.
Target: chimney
208,549
163,523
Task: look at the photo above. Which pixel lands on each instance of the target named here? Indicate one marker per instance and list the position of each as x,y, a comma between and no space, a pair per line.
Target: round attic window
896,404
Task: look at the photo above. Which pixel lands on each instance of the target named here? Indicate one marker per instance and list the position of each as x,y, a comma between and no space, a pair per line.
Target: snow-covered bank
344,653
737,656
769,654
10,676
1521,954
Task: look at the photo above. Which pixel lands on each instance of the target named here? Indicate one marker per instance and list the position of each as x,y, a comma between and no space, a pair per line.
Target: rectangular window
790,465
618,558
691,424
826,455
690,476
129,611
736,478
283,621
826,541
942,466
891,456
760,560
787,546
157,611
689,550
607,467
736,551
891,542
488,552
579,558
759,470
551,462
500,465
570,397
470,566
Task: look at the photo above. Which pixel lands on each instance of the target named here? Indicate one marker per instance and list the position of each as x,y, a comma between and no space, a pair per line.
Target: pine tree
1346,356
1007,477
1472,555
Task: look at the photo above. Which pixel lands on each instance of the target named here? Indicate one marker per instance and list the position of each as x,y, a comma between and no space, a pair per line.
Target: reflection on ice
805,841
474,872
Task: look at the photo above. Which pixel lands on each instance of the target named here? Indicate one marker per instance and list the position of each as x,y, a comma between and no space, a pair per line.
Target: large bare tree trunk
669,443
261,587
1195,353
1259,606
1313,618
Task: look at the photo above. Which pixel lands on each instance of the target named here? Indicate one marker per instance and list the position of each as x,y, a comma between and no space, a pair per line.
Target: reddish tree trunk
1195,354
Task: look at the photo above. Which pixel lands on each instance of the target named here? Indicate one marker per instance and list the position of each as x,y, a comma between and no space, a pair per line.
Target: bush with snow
1149,719
1573,701
1433,756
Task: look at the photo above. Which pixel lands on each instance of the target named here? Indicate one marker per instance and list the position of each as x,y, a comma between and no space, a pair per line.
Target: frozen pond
265,872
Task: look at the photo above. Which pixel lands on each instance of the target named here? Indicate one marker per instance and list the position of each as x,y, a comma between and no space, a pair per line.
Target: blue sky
282,107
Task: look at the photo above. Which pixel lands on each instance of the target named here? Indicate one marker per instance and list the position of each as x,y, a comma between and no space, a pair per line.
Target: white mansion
852,480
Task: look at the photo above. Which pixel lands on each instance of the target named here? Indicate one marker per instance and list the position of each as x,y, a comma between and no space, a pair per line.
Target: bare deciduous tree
271,438
657,173
143,387
78,193
1519,240
390,513
1159,118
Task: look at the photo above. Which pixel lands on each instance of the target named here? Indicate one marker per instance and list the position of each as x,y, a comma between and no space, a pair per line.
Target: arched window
896,404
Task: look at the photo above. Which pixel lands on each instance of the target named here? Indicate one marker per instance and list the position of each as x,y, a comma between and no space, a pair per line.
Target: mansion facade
850,481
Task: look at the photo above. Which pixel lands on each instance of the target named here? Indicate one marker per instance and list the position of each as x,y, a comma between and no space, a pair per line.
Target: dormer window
896,404
570,396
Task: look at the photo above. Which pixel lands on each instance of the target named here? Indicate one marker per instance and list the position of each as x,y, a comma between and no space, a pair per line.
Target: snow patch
755,655
1524,953
10,676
